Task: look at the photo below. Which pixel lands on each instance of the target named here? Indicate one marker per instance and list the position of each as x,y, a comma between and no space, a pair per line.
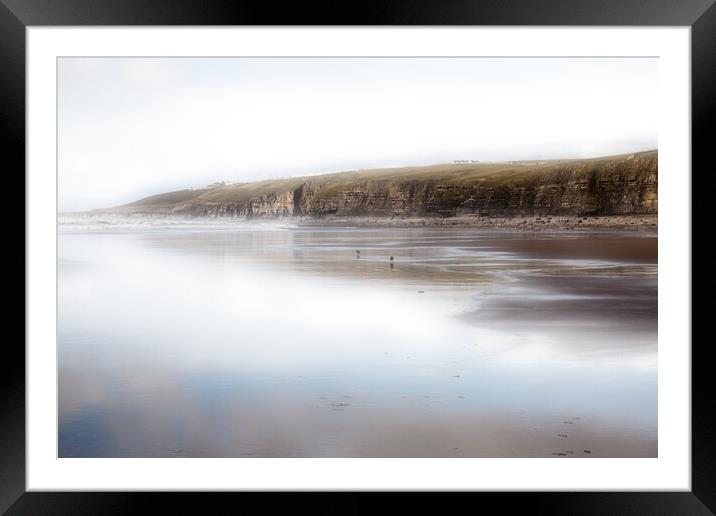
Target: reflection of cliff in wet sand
615,191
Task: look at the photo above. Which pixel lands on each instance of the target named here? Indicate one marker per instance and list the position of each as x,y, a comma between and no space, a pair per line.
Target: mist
132,127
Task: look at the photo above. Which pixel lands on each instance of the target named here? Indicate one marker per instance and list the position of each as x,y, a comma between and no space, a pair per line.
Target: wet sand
282,342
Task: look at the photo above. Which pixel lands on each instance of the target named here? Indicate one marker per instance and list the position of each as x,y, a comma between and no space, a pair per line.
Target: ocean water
199,339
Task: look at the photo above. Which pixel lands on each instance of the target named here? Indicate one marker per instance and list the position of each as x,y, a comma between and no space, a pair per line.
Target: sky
132,127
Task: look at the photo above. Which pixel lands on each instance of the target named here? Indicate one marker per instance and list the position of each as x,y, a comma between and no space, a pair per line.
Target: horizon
135,127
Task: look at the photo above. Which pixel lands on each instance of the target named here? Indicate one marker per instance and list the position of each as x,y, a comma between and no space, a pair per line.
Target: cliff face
271,205
620,185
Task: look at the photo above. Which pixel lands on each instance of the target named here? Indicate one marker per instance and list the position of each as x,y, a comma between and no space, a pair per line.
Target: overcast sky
132,127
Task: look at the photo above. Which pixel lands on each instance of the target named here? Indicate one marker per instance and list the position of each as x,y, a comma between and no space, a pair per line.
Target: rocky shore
641,223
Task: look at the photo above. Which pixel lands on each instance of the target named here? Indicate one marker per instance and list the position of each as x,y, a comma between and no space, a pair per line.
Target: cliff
615,185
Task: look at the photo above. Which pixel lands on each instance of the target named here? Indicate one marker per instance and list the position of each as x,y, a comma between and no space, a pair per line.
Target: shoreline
631,223
641,223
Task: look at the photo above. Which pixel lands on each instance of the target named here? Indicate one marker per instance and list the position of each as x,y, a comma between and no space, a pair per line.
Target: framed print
438,249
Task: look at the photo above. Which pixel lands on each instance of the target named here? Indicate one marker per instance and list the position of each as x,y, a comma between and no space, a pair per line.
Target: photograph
357,257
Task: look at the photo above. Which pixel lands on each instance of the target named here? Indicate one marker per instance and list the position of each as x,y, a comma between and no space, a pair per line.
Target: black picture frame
16,15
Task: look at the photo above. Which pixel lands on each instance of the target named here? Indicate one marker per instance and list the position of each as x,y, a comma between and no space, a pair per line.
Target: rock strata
623,185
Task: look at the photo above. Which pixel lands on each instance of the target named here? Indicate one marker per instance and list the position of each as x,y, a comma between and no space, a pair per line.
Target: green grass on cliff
500,175
246,191
169,198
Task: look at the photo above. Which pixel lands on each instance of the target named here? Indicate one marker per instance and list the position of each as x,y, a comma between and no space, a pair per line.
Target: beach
528,338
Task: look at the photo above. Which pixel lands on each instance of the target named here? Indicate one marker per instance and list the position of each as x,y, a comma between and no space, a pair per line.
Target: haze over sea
181,338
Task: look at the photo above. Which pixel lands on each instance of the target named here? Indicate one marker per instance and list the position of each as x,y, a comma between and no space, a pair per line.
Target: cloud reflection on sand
215,342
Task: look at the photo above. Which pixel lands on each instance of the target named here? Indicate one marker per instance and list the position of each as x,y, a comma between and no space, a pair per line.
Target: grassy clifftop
613,185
